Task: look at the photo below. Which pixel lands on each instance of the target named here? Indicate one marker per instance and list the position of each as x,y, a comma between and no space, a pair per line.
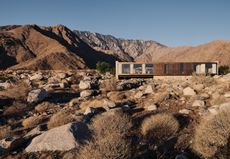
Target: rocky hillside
124,49
151,51
35,47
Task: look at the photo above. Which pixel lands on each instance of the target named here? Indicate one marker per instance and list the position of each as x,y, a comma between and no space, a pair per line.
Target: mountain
124,49
59,48
151,51
36,47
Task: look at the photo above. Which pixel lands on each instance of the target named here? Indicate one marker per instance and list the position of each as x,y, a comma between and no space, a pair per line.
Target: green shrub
103,67
224,70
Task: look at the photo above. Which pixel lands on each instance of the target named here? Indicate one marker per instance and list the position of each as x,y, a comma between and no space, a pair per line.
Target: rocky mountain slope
35,47
59,48
124,49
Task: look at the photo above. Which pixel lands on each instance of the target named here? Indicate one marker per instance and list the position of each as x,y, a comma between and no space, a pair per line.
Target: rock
198,87
127,85
90,111
36,95
189,91
86,93
64,85
36,77
185,111
198,103
11,143
108,104
61,138
150,89
62,75
85,85
74,102
204,96
227,95
5,85
151,107
139,95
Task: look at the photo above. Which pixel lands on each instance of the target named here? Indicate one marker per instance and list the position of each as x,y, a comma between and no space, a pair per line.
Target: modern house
149,70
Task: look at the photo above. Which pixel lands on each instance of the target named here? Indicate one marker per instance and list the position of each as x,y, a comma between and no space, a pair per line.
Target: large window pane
125,68
149,68
137,68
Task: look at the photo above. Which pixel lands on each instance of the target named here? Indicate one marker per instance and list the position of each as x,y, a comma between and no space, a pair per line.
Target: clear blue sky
170,22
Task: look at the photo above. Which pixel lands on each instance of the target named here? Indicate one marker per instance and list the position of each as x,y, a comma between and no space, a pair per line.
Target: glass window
137,68
125,68
208,68
181,68
166,68
149,68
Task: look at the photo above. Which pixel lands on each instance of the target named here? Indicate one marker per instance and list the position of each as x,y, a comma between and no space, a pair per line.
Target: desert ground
88,115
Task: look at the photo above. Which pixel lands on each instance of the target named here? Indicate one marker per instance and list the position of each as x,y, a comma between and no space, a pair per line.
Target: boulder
198,87
36,77
188,91
198,103
108,104
88,84
150,89
36,95
86,93
61,138
151,107
227,95
185,111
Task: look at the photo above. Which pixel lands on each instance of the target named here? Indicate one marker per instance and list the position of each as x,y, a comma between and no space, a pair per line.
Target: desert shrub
212,135
59,119
109,85
115,121
159,128
18,91
203,79
113,146
223,70
33,121
16,109
5,132
103,67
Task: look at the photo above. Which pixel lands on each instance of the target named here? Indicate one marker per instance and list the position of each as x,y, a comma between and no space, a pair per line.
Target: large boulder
88,84
188,91
36,95
61,138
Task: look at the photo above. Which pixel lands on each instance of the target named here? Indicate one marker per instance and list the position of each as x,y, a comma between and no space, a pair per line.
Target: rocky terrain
83,114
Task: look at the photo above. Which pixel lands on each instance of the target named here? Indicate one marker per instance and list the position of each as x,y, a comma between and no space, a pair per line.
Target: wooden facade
148,70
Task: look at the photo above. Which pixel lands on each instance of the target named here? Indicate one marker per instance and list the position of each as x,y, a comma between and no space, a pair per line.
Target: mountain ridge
57,47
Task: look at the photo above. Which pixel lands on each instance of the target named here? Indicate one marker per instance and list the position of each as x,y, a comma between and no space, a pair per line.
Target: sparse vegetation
17,91
159,128
59,119
212,136
33,121
5,131
103,67
116,122
203,79
113,146
223,70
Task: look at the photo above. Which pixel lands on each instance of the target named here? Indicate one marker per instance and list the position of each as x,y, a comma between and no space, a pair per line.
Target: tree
103,67
223,70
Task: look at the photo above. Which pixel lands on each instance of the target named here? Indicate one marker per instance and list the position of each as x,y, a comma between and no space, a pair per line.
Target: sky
170,22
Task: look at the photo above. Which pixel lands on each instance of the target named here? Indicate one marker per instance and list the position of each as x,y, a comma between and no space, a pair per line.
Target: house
150,70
